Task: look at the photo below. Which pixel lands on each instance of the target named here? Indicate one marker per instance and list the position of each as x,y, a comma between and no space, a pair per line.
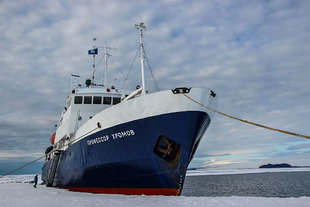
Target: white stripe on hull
153,104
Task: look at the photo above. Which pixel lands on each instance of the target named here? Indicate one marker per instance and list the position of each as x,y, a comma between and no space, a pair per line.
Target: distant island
283,165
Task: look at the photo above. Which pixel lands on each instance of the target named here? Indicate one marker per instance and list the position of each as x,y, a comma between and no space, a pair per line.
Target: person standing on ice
35,181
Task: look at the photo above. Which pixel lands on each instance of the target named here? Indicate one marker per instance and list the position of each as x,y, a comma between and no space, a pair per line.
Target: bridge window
116,100
87,99
78,99
107,100
97,100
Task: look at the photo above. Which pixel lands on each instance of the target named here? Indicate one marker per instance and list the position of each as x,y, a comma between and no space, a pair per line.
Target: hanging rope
130,67
248,122
152,74
22,166
29,163
218,112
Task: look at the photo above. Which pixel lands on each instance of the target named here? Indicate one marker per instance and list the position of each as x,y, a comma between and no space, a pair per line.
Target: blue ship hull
145,156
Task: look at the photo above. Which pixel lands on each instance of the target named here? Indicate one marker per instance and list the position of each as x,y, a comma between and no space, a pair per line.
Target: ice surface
18,179
17,191
241,171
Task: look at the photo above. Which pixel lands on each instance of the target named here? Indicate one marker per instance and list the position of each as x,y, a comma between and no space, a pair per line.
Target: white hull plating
154,104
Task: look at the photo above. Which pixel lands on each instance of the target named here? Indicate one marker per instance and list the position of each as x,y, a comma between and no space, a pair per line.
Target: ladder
53,168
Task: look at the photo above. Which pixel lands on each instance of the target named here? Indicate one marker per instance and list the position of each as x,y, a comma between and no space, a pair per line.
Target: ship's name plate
106,138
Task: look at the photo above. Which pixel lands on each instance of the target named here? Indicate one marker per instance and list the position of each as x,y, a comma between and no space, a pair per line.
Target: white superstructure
81,106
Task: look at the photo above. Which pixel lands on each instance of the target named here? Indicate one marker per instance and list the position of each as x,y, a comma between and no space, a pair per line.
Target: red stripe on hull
128,191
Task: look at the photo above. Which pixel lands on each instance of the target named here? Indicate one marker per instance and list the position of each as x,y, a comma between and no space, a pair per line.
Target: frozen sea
259,183
201,188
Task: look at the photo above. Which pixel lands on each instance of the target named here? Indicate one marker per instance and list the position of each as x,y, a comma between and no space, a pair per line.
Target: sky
255,55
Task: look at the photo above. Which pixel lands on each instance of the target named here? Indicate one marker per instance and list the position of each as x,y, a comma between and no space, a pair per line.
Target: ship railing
133,94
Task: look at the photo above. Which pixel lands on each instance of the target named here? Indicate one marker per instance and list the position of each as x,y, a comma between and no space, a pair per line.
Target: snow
18,191
18,179
242,171
23,194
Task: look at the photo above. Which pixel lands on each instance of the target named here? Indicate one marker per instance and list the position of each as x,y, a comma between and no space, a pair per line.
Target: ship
136,143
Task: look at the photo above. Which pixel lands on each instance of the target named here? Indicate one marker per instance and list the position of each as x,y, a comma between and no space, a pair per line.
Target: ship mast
94,63
105,83
140,27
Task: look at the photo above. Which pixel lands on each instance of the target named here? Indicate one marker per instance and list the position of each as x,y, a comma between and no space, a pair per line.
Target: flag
93,51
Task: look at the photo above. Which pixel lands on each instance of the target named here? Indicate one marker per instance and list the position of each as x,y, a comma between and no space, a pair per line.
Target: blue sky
254,54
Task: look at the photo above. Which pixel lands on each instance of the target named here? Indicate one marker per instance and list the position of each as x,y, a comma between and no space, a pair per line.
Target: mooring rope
39,158
25,165
248,122
218,112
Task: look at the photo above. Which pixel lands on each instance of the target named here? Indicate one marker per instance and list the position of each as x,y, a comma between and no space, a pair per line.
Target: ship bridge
82,105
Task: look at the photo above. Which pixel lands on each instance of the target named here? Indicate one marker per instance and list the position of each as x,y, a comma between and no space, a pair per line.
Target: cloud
254,55
207,155
300,146
214,162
